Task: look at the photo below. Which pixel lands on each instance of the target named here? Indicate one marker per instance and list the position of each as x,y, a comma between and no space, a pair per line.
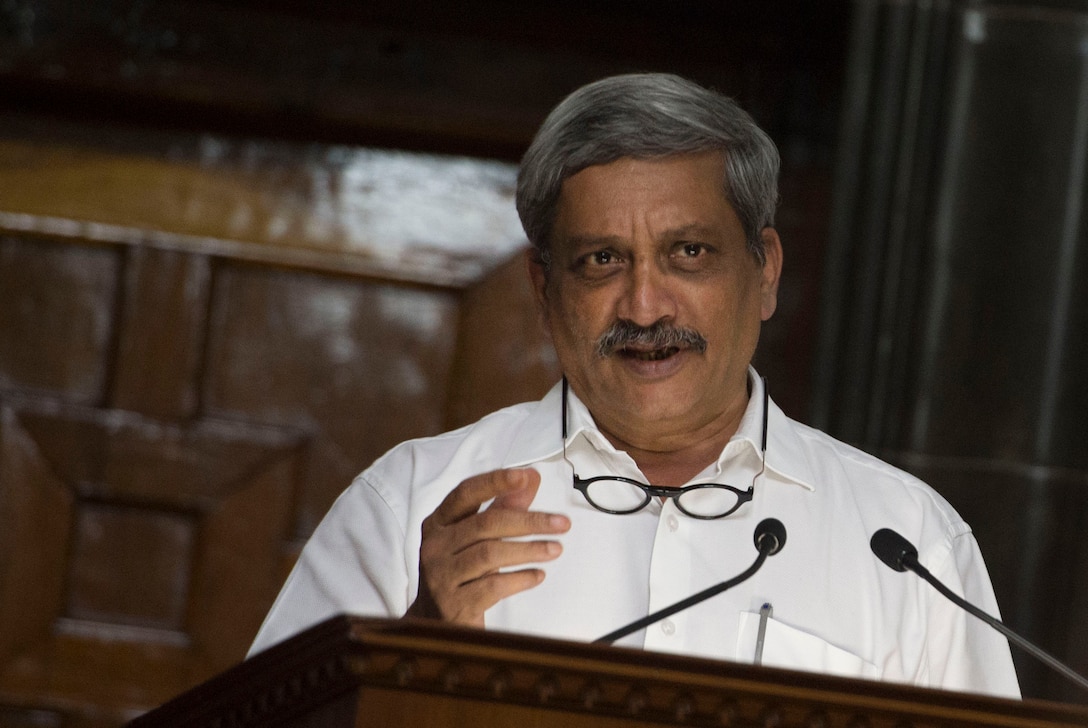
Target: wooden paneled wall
223,294
181,400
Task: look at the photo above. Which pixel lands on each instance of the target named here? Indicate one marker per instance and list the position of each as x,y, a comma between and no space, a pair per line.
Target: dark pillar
955,334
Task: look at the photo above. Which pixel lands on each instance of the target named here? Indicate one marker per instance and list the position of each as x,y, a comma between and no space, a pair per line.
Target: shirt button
668,627
672,523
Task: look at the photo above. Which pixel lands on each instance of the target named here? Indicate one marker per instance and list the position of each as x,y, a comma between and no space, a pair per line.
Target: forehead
661,193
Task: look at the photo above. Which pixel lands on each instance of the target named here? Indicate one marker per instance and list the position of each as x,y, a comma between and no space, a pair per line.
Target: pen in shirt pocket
765,613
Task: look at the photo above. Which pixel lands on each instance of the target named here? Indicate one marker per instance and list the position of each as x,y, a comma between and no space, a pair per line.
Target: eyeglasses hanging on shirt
621,496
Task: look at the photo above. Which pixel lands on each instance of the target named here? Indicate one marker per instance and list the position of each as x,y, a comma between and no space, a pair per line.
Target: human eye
692,255
597,263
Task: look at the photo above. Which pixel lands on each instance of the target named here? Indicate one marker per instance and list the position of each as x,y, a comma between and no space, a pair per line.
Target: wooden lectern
369,672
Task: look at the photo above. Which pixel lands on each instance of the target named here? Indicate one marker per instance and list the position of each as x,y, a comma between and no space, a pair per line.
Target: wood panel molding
362,212
136,549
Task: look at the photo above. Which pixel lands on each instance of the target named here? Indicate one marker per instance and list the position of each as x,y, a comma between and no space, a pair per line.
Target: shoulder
418,473
846,473
487,439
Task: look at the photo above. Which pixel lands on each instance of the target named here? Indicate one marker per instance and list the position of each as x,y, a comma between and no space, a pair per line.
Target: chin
662,403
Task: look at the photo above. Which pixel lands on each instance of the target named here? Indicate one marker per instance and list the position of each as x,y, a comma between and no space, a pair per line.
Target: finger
466,498
456,554
447,588
476,597
502,523
520,498
489,557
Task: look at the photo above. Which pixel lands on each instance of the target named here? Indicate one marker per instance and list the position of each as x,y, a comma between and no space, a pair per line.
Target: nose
647,296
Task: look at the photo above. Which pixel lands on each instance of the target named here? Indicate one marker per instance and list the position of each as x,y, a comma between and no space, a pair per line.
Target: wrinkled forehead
679,191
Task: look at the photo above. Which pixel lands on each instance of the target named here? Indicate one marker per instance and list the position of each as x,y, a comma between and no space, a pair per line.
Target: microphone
769,538
893,549
900,554
770,534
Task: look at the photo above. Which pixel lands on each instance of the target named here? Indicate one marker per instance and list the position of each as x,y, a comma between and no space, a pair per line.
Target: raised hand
464,548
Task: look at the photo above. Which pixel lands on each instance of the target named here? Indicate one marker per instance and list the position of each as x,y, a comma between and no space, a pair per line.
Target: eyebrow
694,229
691,230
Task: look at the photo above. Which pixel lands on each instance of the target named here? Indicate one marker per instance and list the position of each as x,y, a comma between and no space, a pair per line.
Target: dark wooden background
246,247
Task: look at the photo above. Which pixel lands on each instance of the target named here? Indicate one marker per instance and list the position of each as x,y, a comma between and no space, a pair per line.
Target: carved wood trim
498,672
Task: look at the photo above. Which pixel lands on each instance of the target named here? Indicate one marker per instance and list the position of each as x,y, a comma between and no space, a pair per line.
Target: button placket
670,576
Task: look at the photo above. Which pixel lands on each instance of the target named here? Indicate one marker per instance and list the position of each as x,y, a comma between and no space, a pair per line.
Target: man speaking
637,481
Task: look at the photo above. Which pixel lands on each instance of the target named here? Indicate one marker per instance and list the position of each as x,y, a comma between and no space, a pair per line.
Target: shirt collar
787,458
540,436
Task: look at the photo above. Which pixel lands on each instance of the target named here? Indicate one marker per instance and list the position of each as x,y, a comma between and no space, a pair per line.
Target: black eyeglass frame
652,491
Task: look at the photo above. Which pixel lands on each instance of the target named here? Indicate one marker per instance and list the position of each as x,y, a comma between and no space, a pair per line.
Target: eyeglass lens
710,500
623,497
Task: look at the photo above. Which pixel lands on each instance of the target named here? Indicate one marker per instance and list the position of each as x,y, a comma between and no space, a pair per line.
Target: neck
674,460
670,452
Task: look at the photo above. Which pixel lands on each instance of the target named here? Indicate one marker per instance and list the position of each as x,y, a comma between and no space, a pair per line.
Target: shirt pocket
794,649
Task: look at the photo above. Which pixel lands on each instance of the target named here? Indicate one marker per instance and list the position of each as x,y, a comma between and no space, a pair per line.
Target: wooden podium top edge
347,653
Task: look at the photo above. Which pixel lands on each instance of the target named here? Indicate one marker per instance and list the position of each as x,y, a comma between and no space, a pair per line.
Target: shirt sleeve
353,564
963,652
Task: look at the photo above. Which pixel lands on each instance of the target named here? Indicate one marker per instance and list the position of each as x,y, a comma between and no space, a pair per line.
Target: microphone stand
766,547
899,554
909,561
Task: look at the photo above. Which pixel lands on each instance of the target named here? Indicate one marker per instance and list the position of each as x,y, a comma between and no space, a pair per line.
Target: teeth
652,355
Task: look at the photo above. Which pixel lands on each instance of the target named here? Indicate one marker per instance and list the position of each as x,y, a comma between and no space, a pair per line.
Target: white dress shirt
836,608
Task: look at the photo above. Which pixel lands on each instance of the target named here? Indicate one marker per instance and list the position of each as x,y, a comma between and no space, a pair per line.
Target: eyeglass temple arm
563,415
766,397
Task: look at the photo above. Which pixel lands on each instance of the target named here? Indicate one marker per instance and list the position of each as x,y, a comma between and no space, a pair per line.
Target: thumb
519,498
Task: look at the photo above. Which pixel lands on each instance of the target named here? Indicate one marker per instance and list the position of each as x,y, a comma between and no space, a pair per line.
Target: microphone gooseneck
900,554
769,538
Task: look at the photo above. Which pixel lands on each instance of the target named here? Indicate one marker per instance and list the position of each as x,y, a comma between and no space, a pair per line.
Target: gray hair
645,116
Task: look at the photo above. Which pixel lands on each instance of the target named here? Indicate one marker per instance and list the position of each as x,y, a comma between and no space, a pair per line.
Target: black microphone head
893,549
770,536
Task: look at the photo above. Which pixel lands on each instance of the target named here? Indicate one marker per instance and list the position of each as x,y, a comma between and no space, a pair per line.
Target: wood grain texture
122,587
425,218
222,294
416,673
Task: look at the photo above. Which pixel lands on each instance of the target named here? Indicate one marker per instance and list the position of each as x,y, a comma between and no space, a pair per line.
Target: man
649,202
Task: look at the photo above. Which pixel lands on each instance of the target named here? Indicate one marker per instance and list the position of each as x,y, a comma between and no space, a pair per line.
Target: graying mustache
655,336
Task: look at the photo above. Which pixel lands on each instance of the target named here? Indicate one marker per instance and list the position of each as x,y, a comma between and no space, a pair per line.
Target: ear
772,269
538,280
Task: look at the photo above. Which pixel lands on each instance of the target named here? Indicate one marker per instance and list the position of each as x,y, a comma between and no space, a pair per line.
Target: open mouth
651,354
658,341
